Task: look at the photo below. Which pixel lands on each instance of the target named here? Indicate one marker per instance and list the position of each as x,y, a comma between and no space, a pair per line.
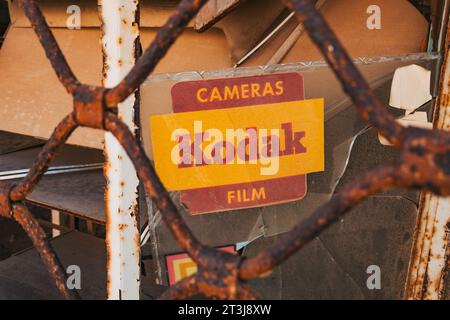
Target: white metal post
120,31
427,270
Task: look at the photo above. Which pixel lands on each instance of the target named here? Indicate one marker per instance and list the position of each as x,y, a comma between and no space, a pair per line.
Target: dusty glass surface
378,232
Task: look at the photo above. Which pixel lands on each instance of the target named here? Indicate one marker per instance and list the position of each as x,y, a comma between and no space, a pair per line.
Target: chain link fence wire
424,163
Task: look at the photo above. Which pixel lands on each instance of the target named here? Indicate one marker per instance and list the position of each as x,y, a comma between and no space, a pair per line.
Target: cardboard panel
348,19
154,13
35,101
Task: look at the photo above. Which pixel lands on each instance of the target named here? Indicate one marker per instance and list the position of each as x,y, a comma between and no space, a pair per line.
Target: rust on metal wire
165,37
424,162
40,165
48,41
89,106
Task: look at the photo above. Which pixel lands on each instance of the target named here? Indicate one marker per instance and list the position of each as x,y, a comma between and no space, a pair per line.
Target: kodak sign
239,142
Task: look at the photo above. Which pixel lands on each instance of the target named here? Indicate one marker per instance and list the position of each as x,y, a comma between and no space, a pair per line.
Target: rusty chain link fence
424,162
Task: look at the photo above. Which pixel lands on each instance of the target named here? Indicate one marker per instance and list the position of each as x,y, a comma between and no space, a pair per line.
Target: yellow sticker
237,145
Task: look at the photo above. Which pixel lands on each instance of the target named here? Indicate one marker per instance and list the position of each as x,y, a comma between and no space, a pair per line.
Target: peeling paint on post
428,267
427,273
120,32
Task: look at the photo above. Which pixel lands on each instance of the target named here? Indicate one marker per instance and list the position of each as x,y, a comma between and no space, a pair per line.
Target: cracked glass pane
335,265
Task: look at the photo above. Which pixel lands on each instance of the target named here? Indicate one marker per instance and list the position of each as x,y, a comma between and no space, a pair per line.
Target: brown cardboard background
36,101
348,19
154,13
